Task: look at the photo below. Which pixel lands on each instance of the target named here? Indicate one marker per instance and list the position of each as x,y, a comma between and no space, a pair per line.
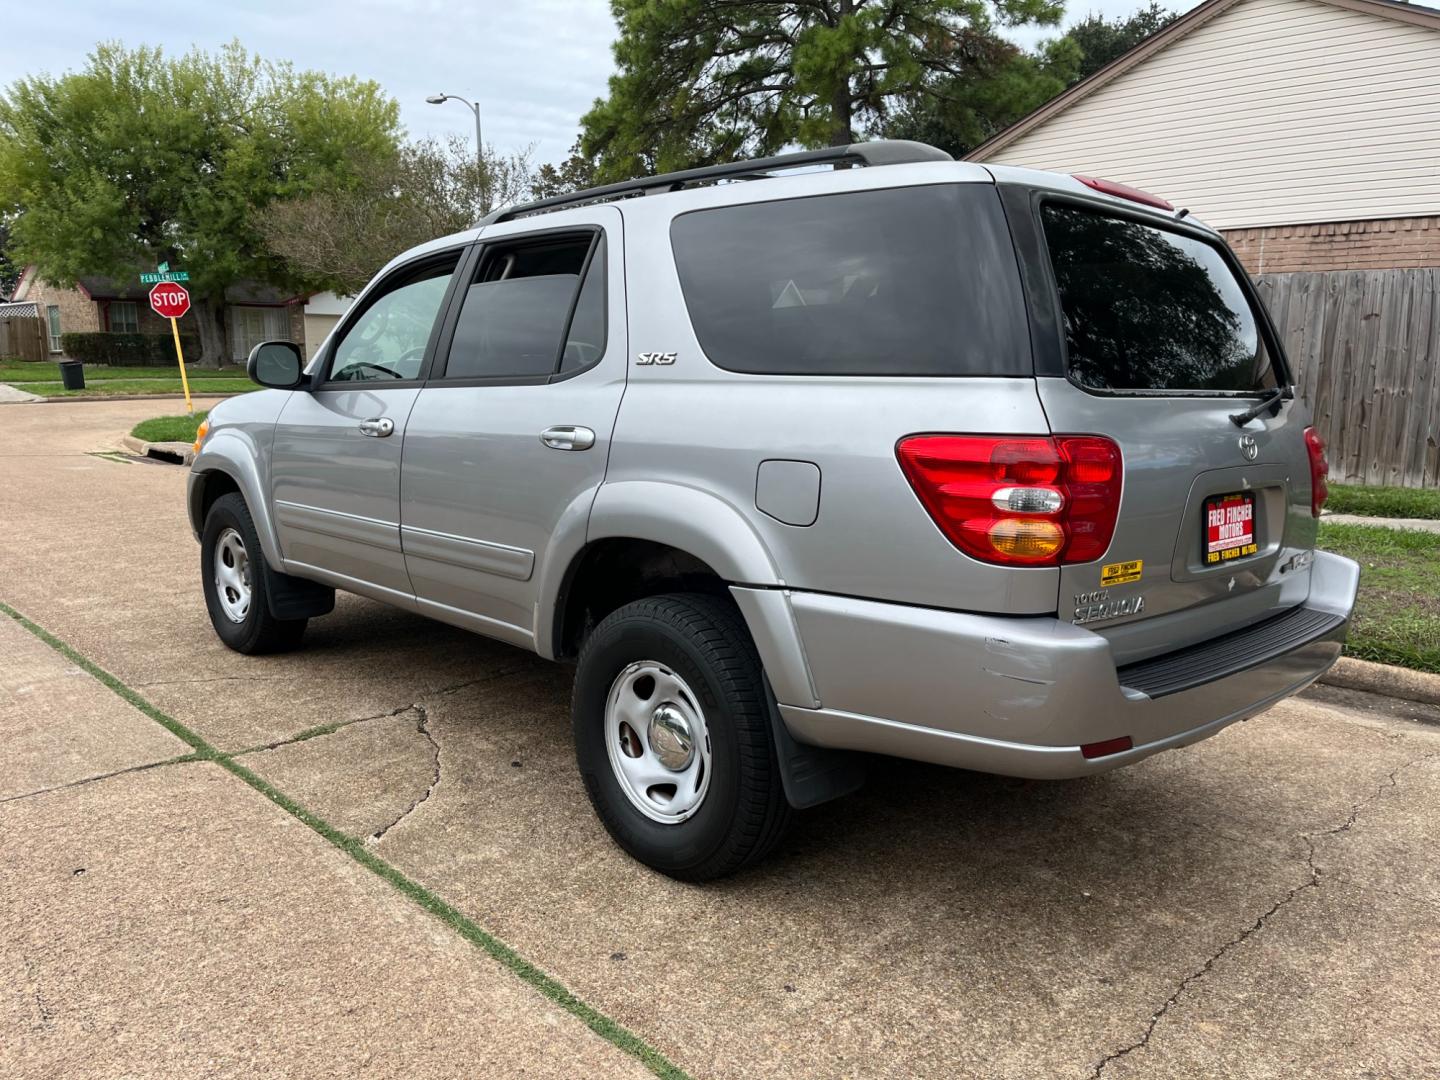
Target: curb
1386,679
177,453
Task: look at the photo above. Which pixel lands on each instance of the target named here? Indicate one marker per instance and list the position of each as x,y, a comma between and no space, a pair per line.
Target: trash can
72,374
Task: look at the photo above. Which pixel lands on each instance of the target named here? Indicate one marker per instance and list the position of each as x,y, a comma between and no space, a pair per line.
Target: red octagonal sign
170,300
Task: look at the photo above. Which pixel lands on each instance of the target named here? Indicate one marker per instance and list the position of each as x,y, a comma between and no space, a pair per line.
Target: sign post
171,301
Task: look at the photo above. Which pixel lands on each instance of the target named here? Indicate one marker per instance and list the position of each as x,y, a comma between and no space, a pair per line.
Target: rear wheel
233,575
673,737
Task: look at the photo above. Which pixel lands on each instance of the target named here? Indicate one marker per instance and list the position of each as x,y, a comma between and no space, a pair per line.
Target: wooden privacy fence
1365,346
22,336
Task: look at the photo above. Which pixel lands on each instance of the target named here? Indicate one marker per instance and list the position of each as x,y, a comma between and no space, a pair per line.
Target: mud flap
296,598
813,774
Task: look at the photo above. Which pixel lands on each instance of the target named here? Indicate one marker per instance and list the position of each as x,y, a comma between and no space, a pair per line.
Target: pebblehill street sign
164,275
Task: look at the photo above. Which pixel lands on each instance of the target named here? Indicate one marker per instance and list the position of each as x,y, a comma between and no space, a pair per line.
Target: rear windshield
905,281
1147,309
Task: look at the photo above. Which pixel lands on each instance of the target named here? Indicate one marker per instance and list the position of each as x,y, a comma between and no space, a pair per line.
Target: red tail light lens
1319,470
1018,500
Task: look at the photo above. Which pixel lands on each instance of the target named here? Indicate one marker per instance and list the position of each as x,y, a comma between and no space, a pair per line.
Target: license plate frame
1227,527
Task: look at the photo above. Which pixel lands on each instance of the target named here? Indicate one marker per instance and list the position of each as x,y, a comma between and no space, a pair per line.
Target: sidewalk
11,396
1422,524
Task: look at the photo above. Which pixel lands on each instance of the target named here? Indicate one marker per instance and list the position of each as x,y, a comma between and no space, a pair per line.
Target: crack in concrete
423,727
1199,973
340,725
183,759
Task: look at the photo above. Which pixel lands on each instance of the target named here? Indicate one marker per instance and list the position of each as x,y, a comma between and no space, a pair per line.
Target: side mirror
276,364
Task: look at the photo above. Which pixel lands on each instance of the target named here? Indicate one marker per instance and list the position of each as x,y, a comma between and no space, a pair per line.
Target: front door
336,455
507,442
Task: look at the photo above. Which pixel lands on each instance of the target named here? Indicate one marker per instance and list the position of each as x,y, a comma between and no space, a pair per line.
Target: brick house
253,313
1307,132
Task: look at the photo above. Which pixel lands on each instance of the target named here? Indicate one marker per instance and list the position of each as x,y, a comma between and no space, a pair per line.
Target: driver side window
387,342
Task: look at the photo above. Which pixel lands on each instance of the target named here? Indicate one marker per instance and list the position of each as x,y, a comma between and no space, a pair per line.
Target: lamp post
474,107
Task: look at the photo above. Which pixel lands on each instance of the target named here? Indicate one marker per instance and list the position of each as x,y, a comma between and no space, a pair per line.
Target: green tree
141,157
575,172
1102,40
338,237
958,113
9,268
706,80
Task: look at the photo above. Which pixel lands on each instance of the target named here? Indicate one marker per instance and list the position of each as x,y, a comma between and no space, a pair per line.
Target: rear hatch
1147,331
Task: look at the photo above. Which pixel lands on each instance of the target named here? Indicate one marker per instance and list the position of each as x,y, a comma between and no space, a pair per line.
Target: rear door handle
378,427
568,438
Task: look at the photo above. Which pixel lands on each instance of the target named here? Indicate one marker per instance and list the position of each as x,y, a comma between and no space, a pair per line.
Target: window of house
124,317
249,326
535,309
52,316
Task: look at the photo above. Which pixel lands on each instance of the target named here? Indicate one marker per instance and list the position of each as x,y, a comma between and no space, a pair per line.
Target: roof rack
880,152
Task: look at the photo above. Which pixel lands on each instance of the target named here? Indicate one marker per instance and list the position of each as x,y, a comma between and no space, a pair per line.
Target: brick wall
1385,244
77,314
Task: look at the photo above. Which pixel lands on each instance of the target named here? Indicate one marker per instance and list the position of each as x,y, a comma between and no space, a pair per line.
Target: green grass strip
545,983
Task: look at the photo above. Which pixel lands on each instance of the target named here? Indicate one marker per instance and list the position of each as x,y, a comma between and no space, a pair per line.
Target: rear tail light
1018,500
1319,470
1124,191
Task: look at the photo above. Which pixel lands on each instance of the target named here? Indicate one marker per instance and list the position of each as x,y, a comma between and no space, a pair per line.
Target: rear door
507,442
1157,340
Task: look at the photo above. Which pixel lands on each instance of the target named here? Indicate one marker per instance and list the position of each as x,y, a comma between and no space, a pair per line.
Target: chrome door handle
568,438
377,428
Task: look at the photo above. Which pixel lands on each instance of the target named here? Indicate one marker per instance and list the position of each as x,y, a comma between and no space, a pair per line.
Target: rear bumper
1021,696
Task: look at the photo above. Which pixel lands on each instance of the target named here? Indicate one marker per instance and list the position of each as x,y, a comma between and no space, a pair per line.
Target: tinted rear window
906,281
1148,309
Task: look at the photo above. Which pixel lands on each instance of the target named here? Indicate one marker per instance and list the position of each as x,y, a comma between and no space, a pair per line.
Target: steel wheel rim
657,742
232,576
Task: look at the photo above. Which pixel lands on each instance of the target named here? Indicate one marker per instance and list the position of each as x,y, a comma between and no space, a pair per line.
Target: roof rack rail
880,152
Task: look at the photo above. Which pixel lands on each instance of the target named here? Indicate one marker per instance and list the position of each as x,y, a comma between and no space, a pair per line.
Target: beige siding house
1308,132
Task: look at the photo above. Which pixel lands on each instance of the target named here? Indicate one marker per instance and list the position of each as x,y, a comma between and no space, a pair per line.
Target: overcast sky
534,65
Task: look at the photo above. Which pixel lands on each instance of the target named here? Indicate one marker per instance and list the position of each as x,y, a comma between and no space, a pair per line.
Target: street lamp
474,107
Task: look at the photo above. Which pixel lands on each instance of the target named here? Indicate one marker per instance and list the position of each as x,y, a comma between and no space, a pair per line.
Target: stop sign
170,300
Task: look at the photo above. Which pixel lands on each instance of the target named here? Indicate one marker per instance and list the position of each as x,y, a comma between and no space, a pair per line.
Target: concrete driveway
374,856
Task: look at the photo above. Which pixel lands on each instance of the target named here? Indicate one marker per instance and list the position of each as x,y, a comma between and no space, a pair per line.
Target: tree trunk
841,104
840,109
210,323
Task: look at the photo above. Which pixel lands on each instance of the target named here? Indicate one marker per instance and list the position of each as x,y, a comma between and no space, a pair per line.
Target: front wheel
233,575
673,737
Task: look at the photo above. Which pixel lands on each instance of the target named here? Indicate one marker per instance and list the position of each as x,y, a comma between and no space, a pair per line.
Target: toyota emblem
1248,447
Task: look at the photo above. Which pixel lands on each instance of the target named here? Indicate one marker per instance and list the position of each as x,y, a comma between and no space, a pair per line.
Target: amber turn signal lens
1026,538
200,433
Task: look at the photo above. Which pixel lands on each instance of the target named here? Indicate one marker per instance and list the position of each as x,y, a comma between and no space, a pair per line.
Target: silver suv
854,451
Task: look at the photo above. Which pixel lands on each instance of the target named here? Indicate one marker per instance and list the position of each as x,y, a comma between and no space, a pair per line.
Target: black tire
259,631
744,811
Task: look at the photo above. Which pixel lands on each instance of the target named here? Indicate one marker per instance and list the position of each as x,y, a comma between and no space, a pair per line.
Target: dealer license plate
1229,527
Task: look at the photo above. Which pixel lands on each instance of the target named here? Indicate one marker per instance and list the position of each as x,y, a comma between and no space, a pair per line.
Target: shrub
128,350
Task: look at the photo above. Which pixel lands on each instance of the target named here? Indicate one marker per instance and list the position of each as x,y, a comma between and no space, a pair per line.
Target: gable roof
1186,24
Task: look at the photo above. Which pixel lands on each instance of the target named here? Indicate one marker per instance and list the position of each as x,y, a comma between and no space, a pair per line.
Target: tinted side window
517,312
585,343
1147,309
388,340
905,281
